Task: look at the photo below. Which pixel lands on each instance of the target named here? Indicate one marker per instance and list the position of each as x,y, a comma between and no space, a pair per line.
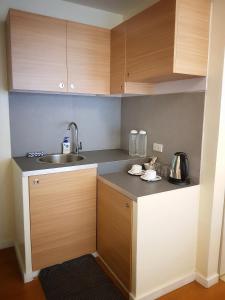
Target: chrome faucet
76,146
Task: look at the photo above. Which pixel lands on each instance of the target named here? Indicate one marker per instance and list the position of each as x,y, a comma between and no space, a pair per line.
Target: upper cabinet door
192,36
150,43
118,85
37,52
168,41
117,59
88,52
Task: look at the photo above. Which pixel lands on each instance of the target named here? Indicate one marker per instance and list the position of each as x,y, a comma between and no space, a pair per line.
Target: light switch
157,147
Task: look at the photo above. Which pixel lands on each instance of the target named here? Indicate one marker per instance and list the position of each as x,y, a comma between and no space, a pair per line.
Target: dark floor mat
78,279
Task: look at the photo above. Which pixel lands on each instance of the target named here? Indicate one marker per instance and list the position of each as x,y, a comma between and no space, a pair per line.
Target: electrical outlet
157,147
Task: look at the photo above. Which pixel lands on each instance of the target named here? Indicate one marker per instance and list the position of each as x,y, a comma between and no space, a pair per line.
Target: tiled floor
13,288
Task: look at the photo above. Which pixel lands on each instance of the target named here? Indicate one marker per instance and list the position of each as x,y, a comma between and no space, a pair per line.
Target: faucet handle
80,146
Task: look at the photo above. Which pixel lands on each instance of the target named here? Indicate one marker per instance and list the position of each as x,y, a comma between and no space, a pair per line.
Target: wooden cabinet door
117,59
63,216
114,231
118,85
192,36
168,41
37,52
88,51
150,43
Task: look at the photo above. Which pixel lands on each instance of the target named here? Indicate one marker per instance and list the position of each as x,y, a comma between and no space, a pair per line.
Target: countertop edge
135,198
116,187
57,170
196,185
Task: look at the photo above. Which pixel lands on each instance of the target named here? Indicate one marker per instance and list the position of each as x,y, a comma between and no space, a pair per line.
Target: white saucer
135,174
151,180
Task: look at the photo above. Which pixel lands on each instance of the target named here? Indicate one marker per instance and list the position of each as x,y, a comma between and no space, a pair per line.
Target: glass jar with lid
133,142
142,143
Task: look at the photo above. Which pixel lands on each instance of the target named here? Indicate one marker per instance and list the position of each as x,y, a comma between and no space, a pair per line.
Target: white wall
6,216
64,10
55,8
213,158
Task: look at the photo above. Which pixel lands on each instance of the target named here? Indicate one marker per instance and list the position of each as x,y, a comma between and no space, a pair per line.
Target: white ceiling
122,7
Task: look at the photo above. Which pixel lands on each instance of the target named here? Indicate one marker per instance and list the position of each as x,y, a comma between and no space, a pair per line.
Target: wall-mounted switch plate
157,147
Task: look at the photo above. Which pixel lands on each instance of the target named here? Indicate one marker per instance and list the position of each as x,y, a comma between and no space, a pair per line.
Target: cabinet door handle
36,181
72,86
127,205
61,85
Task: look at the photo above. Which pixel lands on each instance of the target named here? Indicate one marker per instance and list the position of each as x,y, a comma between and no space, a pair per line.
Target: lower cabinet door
114,231
62,216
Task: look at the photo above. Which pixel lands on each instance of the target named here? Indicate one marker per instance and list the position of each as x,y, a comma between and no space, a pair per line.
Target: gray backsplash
39,121
172,120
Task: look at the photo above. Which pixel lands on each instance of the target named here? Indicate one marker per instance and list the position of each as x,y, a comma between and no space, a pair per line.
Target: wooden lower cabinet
62,216
114,231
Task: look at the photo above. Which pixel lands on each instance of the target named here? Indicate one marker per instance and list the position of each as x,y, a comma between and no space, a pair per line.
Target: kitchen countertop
30,165
131,186
134,187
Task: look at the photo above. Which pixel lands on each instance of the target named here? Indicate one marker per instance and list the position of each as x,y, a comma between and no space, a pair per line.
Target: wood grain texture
88,59
114,231
63,216
112,277
150,43
138,88
117,59
192,36
118,64
37,52
12,286
168,41
9,52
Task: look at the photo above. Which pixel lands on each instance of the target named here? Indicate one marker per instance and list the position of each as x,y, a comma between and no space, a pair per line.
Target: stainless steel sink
60,158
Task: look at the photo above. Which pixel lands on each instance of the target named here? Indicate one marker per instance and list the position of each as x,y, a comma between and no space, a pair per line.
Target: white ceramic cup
136,169
150,175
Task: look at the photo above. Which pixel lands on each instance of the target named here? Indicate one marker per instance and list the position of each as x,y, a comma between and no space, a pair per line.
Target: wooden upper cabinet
192,36
117,59
168,41
37,52
118,84
88,59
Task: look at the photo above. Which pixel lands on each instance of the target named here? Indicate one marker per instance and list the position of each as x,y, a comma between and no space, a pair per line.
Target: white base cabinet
163,239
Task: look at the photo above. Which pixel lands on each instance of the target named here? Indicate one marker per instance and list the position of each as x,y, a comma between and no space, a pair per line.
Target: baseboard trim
207,282
27,277
165,289
20,261
6,244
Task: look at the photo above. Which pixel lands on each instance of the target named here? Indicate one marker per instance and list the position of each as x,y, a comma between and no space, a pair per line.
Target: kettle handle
184,166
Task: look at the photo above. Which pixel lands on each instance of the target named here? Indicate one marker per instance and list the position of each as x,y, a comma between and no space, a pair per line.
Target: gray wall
39,121
172,120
